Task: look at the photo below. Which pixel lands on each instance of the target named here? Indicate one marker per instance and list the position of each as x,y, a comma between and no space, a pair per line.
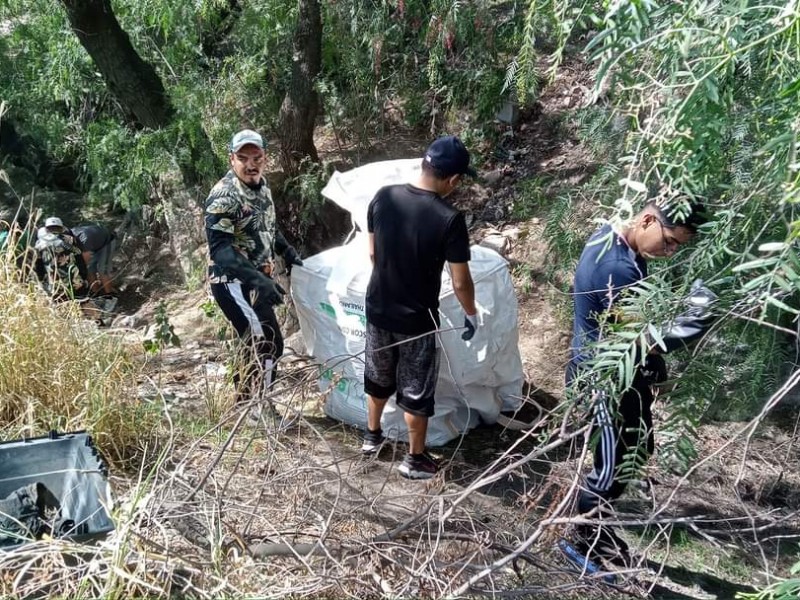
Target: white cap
53,222
245,137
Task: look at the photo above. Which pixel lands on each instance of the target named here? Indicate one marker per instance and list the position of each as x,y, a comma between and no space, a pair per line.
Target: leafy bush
701,99
788,589
429,59
434,62
162,333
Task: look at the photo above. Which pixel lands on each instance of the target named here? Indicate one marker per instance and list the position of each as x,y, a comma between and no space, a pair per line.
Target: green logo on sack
331,312
328,309
328,375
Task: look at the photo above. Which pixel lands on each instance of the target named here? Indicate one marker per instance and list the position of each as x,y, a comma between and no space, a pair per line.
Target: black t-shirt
91,237
415,233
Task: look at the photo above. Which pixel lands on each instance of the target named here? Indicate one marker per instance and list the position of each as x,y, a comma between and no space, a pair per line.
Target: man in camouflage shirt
242,242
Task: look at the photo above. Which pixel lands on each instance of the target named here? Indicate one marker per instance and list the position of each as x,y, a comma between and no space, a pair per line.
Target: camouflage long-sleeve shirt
61,268
241,230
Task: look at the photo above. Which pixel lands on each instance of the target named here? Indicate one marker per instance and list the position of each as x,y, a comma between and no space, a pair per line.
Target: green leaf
755,264
712,92
655,335
636,186
791,89
761,280
781,305
772,247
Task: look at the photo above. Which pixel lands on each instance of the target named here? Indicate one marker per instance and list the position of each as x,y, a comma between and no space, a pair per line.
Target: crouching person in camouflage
242,240
59,265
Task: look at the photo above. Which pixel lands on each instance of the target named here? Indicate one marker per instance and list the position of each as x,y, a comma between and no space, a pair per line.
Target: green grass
680,547
532,199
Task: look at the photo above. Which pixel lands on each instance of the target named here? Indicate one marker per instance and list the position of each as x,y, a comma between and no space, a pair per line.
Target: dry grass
59,371
282,509
291,509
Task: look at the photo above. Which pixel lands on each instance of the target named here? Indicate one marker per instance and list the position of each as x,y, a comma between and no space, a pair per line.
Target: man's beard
255,186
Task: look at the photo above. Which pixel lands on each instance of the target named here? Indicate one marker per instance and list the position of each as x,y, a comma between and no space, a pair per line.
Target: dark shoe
418,466
578,558
602,545
373,440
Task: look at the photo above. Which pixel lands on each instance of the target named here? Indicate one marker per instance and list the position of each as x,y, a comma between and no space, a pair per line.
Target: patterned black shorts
409,368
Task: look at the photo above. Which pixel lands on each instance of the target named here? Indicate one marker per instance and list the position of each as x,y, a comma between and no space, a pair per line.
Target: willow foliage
708,95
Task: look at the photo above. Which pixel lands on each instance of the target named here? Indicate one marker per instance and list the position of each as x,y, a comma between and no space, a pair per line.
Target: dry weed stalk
59,371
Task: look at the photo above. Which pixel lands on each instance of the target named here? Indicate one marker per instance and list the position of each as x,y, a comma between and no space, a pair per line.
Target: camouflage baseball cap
245,137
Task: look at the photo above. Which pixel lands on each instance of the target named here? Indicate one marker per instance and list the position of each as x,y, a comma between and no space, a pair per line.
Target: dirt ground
708,534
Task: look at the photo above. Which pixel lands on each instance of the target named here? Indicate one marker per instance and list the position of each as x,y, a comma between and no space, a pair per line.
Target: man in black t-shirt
97,245
412,233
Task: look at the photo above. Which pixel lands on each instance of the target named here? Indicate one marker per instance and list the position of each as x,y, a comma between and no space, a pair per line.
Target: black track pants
261,339
624,442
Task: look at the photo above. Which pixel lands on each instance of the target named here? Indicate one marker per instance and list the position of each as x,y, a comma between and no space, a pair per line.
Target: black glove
291,258
471,323
270,290
654,369
690,325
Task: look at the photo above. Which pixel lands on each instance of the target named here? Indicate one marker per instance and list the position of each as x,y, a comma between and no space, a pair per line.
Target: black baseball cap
449,156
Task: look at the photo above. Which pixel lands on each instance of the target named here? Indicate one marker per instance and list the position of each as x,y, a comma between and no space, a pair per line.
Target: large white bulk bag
353,190
477,379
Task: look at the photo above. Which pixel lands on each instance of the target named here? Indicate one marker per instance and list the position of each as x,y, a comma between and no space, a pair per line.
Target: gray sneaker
418,466
263,412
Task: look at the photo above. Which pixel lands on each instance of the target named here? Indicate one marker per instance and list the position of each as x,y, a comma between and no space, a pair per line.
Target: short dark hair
680,212
429,169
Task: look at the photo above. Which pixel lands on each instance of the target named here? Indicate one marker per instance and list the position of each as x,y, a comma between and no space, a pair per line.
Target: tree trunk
134,83
217,27
299,110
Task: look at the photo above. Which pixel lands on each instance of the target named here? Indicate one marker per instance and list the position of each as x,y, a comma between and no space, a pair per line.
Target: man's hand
291,258
471,324
270,290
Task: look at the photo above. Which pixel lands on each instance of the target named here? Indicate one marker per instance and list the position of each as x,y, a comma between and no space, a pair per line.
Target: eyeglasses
671,243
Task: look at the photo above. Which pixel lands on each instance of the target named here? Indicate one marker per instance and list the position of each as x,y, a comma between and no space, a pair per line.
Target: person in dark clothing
413,232
242,241
613,260
97,246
